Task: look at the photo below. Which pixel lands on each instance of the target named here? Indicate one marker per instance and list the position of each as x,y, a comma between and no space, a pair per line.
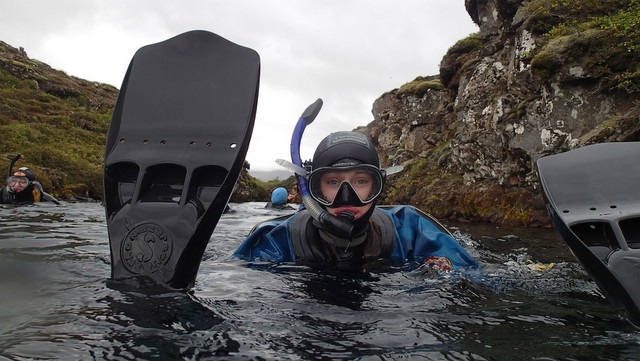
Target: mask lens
15,181
328,184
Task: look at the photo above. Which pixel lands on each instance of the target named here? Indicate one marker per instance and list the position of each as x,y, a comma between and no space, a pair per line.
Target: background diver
22,187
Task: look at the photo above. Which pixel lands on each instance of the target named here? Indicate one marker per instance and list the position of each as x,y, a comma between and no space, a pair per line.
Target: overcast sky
347,52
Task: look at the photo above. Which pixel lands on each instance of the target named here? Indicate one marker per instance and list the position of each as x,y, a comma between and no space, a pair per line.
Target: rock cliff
532,82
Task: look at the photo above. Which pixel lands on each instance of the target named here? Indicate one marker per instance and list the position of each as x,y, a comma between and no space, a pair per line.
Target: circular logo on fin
146,248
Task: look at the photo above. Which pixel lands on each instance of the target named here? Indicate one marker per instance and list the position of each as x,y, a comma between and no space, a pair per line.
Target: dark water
56,302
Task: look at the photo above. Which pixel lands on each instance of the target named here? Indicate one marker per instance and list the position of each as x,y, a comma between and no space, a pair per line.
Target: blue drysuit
414,240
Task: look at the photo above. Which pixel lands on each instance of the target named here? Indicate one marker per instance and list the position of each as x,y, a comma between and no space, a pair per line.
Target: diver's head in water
279,196
21,179
346,178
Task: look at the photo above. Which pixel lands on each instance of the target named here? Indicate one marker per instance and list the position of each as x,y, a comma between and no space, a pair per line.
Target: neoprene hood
345,149
27,172
279,196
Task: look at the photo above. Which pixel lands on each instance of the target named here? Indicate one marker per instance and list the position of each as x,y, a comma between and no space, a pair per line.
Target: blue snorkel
336,225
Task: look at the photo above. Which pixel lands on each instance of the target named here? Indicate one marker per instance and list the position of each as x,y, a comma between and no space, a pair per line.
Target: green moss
513,213
420,86
545,15
629,81
428,186
547,61
469,44
603,37
521,109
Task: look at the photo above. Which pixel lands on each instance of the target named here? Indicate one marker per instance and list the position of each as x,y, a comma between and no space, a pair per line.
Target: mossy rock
420,86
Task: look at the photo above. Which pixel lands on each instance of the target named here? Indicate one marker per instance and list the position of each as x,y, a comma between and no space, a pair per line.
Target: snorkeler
279,199
22,187
346,181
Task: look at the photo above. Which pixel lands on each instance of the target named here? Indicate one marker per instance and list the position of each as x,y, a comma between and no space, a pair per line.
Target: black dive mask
352,186
17,183
346,196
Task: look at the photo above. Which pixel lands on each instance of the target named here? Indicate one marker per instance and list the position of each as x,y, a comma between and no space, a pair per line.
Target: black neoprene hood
345,149
27,172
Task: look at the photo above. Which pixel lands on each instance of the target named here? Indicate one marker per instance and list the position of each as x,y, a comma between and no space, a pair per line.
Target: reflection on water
57,301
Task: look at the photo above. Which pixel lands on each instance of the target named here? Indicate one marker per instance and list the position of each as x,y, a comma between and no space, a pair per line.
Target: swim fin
177,142
592,196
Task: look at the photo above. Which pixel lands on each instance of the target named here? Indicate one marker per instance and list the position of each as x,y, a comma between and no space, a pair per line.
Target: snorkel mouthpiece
339,226
348,215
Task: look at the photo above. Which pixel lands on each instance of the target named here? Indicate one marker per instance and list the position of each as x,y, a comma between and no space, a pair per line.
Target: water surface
57,301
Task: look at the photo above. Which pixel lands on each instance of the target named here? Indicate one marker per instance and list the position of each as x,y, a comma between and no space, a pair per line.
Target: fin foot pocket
163,183
205,183
598,236
631,230
119,182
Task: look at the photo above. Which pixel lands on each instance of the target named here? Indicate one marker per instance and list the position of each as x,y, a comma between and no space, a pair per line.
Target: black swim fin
592,195
176,145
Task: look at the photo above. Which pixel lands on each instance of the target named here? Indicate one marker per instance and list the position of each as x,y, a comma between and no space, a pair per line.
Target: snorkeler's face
18,183
359,180
345,190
